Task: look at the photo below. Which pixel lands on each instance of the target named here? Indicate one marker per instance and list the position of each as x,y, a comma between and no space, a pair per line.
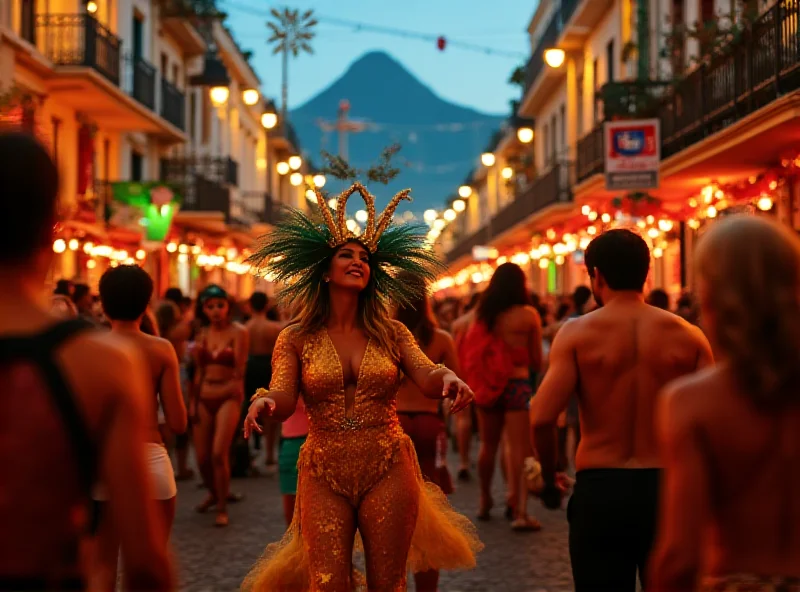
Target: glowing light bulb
219,95
665,225
269,120
764,203
554,57
465,191
140,254
658,252
351,225
488,159
559,259
296,179
319,180
544,263
311,196
332,203
693,223
711,212
430,215
591,230
295,162
250,97
507,173
592,216
525,135
449,215
459,205
361,216
91,264
606,218
585,210
653,233
172,247
59,245
282,168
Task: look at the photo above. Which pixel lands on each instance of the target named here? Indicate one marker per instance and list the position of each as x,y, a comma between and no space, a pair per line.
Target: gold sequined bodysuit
358,471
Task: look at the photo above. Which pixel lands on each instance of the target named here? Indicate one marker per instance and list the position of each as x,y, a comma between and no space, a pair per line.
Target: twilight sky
467,77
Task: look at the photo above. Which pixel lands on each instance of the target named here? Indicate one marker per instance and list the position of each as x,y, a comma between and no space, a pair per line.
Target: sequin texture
358,473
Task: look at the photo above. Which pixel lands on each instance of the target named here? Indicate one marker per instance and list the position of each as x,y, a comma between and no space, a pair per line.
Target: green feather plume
296,253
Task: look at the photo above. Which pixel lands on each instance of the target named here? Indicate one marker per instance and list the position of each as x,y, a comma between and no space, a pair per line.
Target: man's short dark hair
258,301
580,297
622,257
63,287
79,292
174,295
658,298
125,292
28,196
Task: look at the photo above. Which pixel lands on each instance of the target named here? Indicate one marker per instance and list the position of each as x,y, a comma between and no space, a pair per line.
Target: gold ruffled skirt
443,539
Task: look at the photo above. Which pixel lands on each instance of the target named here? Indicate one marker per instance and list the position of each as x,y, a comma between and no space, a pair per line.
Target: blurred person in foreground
422,418
731,434
501,350
125,292
85,390
617,359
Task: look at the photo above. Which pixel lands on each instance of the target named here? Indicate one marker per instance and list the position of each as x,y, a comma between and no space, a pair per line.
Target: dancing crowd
671,429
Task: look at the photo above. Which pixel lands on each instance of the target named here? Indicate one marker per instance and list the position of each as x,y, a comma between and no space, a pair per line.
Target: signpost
633,152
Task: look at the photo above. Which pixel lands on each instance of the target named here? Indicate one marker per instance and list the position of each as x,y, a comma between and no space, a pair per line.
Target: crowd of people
678,468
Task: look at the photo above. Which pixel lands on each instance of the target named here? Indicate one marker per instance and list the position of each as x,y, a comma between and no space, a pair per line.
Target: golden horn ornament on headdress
322,204
386,217
341,206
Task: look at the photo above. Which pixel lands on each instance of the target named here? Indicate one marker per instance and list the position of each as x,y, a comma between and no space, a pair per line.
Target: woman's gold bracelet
260,394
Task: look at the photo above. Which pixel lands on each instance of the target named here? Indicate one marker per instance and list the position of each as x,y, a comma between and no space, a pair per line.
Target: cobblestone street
217,559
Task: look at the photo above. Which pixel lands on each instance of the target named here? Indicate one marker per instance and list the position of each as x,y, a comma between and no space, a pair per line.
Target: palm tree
291,33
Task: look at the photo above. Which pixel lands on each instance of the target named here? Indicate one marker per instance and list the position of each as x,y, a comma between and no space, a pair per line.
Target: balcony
552,188
744,77
203,195
141,83
173,104
254,207
231,172
536,63
189,9
79,40
591,159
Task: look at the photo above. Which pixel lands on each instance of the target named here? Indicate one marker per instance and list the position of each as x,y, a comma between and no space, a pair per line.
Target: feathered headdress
297,250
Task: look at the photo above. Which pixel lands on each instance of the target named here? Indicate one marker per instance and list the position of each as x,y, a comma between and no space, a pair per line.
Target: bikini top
221,357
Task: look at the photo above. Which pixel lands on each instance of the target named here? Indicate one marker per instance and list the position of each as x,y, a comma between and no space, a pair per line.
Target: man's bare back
734,467
617,359
521,329
441,350
263,334
164,382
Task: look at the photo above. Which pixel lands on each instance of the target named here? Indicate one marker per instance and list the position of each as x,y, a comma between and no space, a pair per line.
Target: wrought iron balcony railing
79,40
555,186
739,79
173,104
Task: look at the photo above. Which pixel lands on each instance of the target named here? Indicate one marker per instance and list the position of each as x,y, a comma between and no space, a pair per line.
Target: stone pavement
212,559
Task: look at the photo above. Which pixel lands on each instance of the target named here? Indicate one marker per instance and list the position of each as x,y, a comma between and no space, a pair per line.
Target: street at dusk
368,296
213,560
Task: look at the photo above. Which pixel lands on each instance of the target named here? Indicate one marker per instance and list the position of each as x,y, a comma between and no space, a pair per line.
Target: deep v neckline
340,366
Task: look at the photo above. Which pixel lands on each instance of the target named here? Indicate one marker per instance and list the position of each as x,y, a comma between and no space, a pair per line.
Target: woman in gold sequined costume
358,471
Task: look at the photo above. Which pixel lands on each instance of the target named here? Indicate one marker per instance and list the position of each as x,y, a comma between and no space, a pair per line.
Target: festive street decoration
144,206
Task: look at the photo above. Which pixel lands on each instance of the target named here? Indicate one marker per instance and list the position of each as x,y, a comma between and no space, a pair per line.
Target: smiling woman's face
350,267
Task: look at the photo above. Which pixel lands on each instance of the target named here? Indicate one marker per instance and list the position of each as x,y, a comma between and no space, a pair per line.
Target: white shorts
161,475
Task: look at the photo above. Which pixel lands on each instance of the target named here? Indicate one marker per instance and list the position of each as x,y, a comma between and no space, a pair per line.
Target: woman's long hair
507,289
168,314
751,272
418,315
313,313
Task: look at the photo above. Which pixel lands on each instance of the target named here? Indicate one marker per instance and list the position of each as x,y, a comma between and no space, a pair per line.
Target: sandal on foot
206,505
222,520
526,524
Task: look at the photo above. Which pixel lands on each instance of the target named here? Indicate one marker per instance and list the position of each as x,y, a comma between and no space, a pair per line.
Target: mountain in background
441,141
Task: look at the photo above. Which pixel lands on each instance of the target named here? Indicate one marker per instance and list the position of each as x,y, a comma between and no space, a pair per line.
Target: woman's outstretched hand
259,407
457,389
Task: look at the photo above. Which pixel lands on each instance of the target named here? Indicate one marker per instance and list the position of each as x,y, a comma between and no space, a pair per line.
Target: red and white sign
632,154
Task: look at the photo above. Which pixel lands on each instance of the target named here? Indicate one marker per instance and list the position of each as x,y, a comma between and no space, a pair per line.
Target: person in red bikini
221,356
503,346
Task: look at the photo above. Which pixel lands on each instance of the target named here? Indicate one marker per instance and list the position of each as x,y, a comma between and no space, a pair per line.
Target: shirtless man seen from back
258,373
73,408
617,359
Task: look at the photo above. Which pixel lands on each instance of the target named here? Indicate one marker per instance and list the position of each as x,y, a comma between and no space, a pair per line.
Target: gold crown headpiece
337,225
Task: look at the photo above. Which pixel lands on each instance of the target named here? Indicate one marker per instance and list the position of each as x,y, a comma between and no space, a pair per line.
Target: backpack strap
41,350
